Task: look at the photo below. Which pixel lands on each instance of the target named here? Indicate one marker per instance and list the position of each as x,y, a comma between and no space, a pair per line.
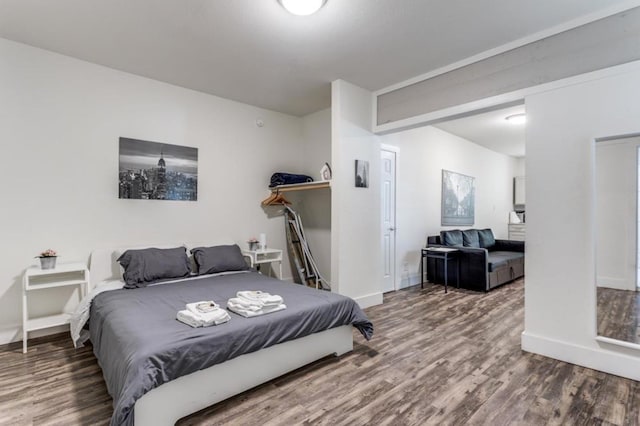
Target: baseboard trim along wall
368,300
615,283
409,280
13,333
596,358
10,333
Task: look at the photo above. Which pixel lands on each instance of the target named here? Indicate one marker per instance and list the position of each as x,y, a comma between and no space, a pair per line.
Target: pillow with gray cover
470,238
487,240
150,265
211,260
451,238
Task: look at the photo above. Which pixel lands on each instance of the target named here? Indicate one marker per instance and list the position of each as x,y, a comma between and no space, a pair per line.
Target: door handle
392,228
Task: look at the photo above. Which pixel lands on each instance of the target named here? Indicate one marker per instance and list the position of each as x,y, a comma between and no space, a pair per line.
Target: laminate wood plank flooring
618,312
436,358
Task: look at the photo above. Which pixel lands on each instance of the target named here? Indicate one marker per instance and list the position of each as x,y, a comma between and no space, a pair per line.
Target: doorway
486,146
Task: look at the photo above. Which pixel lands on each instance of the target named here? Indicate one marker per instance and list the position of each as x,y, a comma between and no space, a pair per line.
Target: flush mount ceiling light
302,7
517,118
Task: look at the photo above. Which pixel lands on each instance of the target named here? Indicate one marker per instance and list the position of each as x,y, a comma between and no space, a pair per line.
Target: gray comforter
140,345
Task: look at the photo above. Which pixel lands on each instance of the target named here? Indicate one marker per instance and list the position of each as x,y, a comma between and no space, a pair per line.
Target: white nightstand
268,255
34,278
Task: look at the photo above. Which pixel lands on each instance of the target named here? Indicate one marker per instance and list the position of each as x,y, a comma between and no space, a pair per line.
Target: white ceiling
491,130
255,52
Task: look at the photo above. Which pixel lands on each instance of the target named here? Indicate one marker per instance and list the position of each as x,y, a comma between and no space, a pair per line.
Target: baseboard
409,280
372,299
600,359
10,333
13,333
616,284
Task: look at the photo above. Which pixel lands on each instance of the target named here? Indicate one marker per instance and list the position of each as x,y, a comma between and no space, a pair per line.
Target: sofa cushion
451,238
487,240
470,238
499,259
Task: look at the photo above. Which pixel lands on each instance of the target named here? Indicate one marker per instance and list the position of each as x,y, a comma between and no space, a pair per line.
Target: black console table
445,254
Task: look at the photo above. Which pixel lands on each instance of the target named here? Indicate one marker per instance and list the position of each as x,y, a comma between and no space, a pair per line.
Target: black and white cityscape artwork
362,174
157,171
458,199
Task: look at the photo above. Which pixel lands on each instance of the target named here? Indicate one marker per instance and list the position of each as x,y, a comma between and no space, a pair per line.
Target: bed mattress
140,344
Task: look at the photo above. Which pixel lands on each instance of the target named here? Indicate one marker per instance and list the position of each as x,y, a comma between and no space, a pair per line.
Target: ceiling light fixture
302,7
517,118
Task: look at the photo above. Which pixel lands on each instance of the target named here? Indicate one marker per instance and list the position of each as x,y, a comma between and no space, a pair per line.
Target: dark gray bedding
140,345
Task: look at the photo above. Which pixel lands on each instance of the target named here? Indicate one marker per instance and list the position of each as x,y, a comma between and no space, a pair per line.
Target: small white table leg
24,317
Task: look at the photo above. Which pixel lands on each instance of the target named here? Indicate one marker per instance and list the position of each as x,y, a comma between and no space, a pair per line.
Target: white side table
34,278
269,255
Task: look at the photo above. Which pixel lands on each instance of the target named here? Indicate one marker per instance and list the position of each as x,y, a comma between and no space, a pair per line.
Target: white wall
520,163
356,254
424,152
315,206
562,123
61,120
616,200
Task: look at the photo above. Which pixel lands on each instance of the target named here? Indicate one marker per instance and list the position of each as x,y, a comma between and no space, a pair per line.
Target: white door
388,183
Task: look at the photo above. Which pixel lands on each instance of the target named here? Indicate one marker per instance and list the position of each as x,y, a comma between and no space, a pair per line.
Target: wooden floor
435,359
618,312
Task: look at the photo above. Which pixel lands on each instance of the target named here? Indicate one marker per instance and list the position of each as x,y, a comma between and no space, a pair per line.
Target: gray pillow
470,238
211,260
146,266
487,240
451,238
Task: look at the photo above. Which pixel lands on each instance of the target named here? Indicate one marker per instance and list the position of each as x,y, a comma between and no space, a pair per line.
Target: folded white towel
189,318
247,313
244,304
215,317
202,307
260,298
275,308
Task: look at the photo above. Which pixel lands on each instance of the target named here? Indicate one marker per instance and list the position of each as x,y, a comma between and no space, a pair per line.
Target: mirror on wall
616,204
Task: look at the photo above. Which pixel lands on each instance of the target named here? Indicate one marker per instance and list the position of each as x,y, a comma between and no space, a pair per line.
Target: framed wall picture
157,171
362,174
458,199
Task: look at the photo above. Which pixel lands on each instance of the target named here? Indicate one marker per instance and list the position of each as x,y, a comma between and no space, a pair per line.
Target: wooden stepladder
305,265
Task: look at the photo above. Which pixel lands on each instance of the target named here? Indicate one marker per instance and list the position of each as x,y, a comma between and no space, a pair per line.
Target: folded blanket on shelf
216,316
288,178
248,313
259,298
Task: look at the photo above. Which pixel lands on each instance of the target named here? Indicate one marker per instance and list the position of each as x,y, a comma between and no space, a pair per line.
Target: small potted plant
253,243
48,259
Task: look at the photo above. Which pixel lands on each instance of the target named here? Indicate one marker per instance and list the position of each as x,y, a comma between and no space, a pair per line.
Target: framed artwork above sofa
458,199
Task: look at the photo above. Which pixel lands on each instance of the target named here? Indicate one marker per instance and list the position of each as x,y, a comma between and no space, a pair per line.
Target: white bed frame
185,395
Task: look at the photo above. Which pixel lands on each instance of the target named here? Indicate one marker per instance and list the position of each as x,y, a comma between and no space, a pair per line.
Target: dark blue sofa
485,262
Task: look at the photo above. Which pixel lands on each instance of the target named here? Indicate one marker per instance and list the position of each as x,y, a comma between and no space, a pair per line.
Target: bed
159,370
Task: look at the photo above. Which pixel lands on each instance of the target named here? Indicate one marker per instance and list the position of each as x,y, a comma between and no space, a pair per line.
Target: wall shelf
302,186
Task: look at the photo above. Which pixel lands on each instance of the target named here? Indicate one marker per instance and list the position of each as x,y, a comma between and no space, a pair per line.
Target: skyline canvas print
458,199
362,174
157,171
